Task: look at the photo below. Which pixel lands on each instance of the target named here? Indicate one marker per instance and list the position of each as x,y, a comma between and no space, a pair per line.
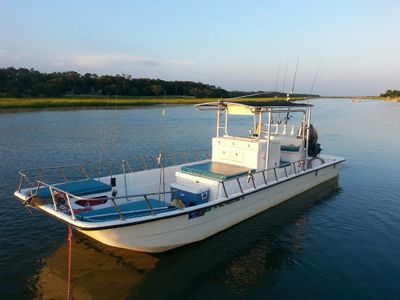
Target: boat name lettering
202,211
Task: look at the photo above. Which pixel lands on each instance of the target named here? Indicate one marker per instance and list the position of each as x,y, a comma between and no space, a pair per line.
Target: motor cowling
314,148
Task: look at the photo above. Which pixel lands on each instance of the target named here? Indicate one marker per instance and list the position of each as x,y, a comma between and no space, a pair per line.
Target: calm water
339,241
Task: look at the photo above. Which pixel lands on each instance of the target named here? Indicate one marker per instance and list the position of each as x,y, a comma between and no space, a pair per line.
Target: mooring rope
69,284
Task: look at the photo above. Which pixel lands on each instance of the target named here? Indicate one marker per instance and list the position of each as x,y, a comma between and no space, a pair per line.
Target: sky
350,47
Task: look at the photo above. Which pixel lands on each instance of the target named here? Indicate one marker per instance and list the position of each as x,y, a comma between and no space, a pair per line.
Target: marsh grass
101,102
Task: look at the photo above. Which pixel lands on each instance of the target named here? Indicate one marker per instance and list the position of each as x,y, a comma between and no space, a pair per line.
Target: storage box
190,194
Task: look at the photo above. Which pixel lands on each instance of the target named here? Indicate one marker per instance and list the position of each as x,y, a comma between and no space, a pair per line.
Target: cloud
103,60
101,63
11,57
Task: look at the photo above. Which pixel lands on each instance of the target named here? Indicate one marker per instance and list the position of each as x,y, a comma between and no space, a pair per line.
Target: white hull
160,209
168,233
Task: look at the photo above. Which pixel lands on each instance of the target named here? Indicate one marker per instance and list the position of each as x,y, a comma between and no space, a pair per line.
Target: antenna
291,92
315,76
294,80
277,76
295,74
284,76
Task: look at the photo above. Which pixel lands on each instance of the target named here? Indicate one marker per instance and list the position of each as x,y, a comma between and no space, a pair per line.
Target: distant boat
168,207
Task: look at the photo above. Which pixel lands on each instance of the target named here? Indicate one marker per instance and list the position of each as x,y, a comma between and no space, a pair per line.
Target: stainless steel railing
58,174
289,169
298,167
140,163
58,195
283,129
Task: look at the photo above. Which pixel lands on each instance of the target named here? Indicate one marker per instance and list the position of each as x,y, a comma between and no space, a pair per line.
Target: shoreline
45,103
395,99
39,103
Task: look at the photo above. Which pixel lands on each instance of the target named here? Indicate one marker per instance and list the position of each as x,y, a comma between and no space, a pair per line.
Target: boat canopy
251,108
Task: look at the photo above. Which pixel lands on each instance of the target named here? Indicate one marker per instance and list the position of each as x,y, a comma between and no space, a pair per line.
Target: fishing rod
293,85
160,159
284,76
277,76
295,75
315,76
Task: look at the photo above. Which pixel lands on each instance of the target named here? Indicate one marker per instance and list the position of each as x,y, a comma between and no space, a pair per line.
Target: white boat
167,207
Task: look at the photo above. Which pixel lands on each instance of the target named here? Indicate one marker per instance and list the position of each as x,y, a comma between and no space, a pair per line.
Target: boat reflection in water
98,271
280,242
236,261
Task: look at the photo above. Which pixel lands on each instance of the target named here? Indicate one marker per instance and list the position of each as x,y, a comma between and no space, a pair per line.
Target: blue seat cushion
78,188
130,206
132,209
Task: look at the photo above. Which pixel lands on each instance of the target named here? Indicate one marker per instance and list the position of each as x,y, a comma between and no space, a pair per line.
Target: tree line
391,94
32,83
22,82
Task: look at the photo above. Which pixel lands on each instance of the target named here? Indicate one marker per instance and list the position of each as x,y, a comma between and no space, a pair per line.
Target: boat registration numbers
202,211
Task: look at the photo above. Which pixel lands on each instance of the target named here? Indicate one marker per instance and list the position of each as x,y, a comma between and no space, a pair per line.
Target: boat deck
132,209
215,170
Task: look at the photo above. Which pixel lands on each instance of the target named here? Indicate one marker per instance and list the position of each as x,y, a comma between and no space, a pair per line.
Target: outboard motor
314,148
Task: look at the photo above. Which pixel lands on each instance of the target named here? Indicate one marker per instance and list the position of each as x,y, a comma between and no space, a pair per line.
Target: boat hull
168,233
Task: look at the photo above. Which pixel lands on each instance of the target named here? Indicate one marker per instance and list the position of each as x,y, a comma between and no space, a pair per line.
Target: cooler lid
190,187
